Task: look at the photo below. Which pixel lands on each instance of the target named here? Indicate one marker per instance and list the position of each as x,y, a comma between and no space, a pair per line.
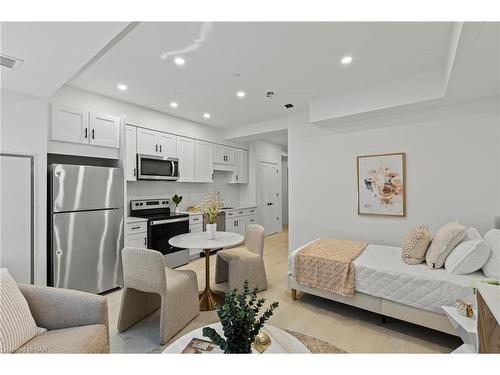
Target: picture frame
381,184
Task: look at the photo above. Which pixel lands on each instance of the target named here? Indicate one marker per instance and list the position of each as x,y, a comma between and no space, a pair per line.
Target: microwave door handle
173,168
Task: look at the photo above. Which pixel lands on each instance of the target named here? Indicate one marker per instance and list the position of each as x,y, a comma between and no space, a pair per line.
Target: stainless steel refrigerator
86,211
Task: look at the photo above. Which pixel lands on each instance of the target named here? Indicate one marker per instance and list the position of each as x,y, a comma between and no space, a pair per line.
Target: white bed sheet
379,271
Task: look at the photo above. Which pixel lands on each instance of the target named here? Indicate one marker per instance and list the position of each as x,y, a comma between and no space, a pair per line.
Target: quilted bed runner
327,264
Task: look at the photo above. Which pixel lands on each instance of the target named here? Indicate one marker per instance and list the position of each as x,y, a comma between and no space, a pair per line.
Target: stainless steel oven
153,167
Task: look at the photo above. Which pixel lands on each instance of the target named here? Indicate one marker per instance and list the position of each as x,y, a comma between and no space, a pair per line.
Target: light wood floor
349,328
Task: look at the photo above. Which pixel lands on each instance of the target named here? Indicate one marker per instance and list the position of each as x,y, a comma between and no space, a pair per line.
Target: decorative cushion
492,266
471,234
17,325
445,240
467,257
415,244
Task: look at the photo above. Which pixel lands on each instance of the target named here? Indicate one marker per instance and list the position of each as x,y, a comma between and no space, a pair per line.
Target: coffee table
281,341
209,299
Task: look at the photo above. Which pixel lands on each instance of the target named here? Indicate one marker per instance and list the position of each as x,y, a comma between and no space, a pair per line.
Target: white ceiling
298,61
52,52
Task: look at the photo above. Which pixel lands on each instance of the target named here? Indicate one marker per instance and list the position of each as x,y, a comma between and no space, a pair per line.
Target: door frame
278,227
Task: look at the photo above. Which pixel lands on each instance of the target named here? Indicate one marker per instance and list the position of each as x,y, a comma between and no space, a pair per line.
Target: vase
177,210
211,229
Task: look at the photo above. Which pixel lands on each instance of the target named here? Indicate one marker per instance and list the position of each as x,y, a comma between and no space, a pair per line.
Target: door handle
93,133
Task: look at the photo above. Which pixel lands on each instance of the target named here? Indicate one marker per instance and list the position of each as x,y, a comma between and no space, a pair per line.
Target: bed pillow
17,325
445,240
467,257
471,234
415,245
492,266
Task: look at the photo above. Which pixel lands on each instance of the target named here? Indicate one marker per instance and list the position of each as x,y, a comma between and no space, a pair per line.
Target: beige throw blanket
327,264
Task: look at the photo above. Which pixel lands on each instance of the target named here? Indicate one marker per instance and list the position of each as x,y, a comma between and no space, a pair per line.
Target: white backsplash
192,193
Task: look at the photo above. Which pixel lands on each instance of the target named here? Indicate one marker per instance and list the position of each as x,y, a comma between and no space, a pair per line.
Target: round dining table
209,299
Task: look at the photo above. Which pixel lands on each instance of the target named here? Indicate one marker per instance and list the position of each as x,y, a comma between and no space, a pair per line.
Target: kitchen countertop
131,219
233,208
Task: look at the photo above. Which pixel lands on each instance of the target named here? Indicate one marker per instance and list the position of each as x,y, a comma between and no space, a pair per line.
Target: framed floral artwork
382,184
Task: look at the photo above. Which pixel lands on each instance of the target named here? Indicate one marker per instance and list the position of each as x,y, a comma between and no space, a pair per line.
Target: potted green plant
177,200
240,320
210,208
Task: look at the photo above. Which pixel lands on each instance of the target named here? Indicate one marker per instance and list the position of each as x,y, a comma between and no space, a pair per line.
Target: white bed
385,284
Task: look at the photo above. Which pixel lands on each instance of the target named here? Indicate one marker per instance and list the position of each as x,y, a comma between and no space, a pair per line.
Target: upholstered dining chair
149,285
238,264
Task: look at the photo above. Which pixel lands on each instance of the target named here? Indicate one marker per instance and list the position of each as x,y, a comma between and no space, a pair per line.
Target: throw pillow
415,244
17,325
445,240
471,234
467,257
492,266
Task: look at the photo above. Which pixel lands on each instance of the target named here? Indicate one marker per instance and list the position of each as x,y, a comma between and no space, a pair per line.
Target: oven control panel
149,204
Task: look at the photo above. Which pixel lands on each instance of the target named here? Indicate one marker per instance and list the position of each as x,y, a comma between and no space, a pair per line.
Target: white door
269,196
167,145
131,153
137,240
185,153
147,141
69,124
203,166
16,207
104,130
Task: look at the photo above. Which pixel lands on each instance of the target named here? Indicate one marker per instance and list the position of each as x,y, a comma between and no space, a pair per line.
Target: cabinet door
240,226
69,124
139,240
229,154
147,141
195,228
240,175
203,166
104,130
218,154
185,153
230,225
130,153
167,145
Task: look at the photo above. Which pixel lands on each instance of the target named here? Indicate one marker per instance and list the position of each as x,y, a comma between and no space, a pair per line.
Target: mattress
380,272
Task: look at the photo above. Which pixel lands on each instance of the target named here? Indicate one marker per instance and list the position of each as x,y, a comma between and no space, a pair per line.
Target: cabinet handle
93,133
196,219
160,148
135,228
145,241
134,172
156,148
86,132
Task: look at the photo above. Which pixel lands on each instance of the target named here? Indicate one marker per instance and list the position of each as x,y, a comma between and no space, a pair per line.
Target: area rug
315,345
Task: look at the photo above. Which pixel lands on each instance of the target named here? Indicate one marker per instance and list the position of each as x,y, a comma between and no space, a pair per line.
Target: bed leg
294,294
384,319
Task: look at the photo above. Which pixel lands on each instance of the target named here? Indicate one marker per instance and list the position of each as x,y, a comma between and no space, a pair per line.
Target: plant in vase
210,208
240,321
177,200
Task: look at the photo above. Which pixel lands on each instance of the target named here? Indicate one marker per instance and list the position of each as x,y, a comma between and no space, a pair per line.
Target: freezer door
86,250
80,187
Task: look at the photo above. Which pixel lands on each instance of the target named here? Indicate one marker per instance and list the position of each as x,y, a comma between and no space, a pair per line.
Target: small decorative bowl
464,308
262,342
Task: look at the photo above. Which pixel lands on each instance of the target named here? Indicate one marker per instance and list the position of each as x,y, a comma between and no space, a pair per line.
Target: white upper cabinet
167,145
69,124
147,141
223,155
185,153
240,175
104,130
152,142
76,125
203,167
130,153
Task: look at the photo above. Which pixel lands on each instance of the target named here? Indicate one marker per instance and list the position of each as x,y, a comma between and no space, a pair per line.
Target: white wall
452,168
24,130
284,191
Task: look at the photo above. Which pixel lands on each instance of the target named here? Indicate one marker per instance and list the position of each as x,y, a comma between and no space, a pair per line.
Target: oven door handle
168,221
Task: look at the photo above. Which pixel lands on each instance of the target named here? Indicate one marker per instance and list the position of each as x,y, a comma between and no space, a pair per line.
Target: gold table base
210,299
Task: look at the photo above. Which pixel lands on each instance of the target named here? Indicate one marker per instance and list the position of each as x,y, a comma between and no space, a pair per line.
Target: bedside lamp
497,222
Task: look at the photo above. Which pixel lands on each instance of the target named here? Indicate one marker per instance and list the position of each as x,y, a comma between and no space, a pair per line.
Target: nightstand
465,327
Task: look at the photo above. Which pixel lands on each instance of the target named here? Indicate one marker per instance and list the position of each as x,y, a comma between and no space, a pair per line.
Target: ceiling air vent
10,62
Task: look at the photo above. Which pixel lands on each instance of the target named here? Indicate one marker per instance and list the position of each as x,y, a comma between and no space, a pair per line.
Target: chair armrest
54,308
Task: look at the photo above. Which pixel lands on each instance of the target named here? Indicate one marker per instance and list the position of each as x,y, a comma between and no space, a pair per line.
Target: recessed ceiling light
179,60
122,87
174,104
240,94
206,115
346,60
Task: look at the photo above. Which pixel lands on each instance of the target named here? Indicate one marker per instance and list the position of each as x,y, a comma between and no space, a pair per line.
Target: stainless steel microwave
153,167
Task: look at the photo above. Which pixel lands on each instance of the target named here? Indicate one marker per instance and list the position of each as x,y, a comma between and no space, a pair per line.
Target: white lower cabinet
136,233
236,225
139,240
195,228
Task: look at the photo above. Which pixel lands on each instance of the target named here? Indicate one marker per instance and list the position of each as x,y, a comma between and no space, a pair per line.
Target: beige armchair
243,263
149,285
76,322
